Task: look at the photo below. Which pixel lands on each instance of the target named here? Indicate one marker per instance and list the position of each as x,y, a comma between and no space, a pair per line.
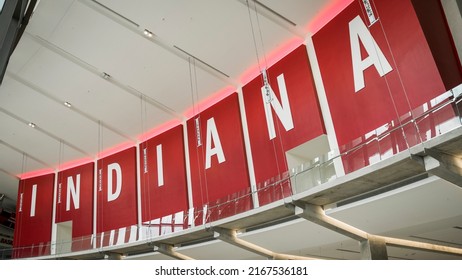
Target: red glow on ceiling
116,149
328,13
74,163
158,130
209,101
36,173
271,59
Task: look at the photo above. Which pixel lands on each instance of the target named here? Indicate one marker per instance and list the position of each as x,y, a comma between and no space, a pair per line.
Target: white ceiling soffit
434,217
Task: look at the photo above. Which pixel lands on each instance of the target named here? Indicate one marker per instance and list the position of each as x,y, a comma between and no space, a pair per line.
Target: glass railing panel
327,171
162,226
306,179
82,243
439,121
274,189
63,247
37,250
361,156
229,205
243,202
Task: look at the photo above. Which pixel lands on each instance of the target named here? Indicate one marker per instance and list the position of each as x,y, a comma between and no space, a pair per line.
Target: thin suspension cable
144,150
394,62
264,78
203,152
60,157
142,116
395,108
261,34
21,189
100,207
191,87
266,82
100,140
253,36
196,117
196,91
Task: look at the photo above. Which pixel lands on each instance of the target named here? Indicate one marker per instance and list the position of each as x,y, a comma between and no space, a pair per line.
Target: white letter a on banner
359,32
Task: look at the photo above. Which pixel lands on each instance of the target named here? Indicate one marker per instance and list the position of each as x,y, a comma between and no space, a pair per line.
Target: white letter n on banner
73,190
282,110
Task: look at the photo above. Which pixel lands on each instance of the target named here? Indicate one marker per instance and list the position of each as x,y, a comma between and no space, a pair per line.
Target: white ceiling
201,49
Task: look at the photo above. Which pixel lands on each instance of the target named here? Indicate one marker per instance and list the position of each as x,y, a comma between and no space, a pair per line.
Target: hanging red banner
219,172
163,175
34,212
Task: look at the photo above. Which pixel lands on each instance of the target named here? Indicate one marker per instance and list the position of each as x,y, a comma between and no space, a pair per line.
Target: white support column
453,12
374,248
325,110
54,227
445,166
138,193
188,172
113,256
168,250
230,236
315,214
95,201
403,243
248,150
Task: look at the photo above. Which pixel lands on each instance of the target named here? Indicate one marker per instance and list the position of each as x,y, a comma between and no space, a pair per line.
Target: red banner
74,201
376,66
163,175
116,191
34,212
282,116
217,155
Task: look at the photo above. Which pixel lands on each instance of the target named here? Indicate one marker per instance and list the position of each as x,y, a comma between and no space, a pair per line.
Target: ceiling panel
450,235
47,16
430,200
305,234
127,56
53,117
298,12
14,163
24,51
89,93
33,141
222,38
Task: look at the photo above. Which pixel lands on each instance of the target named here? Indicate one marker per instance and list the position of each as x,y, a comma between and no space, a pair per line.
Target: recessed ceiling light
31,124
67,104
105,75
147,33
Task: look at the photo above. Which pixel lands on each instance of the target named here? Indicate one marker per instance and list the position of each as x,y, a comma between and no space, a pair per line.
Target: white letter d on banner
111,168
